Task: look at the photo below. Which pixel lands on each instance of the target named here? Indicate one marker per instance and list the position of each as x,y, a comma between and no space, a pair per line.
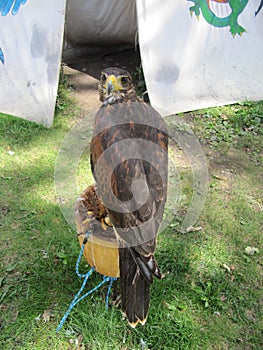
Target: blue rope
111,279
86,276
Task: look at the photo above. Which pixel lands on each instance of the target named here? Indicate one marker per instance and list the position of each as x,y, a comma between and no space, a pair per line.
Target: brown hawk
129,162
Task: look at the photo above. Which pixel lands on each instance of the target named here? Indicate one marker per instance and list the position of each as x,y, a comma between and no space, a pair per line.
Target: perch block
101,250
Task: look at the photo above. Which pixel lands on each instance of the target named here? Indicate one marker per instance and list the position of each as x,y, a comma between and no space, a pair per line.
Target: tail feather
142,299
147,265
135,289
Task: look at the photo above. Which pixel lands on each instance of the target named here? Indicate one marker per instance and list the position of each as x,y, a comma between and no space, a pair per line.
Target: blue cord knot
86,276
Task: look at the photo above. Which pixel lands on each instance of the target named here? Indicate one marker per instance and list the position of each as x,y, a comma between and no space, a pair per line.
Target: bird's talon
107,221
103,225
86,221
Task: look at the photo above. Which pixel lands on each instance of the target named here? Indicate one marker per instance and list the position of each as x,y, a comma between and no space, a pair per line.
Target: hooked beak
111,84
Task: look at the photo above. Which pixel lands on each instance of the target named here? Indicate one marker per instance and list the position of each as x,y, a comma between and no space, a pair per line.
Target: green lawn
211,296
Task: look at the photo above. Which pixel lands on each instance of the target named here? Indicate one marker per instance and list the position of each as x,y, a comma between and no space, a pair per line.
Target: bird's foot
107,221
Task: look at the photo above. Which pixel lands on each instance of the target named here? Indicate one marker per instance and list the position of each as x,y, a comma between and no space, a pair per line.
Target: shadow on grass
16,131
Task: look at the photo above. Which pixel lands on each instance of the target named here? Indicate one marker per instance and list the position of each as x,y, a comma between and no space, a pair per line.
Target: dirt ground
84,73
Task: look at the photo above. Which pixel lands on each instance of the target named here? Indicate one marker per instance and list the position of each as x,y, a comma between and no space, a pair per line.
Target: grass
211,296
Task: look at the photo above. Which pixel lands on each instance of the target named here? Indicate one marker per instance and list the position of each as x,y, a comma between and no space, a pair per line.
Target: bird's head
115,85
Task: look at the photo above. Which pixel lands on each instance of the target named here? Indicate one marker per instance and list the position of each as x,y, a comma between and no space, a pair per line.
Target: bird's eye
103,77
124,80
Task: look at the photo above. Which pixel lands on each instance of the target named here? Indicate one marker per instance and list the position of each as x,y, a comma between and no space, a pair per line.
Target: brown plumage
129,163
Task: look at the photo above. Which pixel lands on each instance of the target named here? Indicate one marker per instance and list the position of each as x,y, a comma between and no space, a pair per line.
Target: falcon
129,162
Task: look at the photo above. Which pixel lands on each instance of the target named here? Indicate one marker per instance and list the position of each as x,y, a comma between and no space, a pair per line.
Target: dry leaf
251,250
47,316
226,267
78,342
194,229
217,314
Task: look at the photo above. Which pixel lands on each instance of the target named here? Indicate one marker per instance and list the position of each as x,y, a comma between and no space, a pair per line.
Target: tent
188,63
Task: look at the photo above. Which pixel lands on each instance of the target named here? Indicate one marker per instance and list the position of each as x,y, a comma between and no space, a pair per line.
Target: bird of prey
129,161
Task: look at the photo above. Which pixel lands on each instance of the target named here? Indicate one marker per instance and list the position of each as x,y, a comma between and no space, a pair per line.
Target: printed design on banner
259,8
230,20
7,6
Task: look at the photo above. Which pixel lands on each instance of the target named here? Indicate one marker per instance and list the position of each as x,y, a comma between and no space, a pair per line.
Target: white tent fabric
100,23
190,64
31,46
30,52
